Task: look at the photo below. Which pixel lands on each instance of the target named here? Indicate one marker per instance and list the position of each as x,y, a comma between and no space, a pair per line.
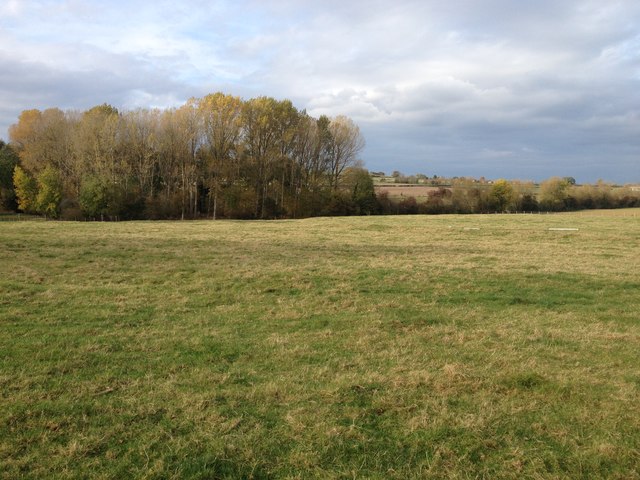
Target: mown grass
378,347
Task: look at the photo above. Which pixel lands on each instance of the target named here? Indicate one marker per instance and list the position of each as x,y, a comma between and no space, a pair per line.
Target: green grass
371,347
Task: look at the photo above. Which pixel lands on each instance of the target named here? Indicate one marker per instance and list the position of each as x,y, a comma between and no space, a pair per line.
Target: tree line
216,156
221,156
555,194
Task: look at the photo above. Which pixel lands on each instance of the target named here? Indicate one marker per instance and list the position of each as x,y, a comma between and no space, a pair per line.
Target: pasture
478,346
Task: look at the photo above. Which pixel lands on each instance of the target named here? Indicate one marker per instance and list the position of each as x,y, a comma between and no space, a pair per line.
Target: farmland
451,346
419,192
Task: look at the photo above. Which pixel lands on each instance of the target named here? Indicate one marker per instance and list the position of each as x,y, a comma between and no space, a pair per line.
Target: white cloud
442,83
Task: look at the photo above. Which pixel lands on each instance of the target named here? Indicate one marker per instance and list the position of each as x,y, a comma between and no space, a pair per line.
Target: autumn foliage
217,156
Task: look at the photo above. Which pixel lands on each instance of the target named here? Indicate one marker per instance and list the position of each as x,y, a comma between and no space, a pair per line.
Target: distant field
419,192
479,346
399,191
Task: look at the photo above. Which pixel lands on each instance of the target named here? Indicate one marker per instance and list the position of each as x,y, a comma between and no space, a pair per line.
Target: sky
496,88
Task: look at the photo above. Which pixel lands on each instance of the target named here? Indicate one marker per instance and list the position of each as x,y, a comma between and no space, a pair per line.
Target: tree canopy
216,156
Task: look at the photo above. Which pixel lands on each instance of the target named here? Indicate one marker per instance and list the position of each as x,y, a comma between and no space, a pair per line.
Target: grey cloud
41,86
493,87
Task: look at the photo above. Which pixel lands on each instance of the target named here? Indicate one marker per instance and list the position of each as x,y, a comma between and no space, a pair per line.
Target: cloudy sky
500,88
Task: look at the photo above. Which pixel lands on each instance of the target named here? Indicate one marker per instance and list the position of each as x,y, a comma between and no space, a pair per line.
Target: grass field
371,347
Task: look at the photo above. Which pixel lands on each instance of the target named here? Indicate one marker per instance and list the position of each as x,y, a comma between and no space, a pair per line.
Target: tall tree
346,143
287,118
188,125
23,134
306,174
140,129
260,144
96,143
258,158
221,120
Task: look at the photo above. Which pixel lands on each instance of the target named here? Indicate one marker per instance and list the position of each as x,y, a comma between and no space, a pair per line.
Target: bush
408,206
528,203
161,207
8,162
70,209
95,197
26,190
340,204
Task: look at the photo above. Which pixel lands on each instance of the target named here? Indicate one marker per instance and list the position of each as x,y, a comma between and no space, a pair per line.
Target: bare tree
346,143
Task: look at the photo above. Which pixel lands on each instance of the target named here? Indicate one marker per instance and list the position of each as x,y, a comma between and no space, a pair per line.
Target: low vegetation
471,196
365,347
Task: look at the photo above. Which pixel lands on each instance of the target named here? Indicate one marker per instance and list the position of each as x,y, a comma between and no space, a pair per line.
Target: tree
97,140
217,154
94,197
23,133
553,193
9,160
309,180
346,143
363,194
49,193
42,138
260,146
26,190
529,203
287,119
221,117
501,195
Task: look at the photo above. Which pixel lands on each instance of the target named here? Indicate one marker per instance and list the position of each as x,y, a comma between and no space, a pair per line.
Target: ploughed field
370,347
